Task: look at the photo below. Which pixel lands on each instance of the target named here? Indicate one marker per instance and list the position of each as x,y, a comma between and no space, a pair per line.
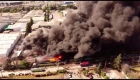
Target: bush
106,77
12,74
24,63
61,71
22,67
103,74
85,72
54,73
49,73
37,70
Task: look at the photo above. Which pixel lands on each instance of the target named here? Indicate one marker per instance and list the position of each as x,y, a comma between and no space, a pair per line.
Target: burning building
98,26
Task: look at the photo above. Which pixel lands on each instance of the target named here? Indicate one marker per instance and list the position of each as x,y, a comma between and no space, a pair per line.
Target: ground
71,68
59,76
136,67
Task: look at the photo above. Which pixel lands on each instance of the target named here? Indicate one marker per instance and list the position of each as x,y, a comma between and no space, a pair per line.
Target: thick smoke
97,23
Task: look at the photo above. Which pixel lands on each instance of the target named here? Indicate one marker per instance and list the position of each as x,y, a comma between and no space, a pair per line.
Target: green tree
99,69
31,22
28,28
23,8
60,8
48,15
24,63
117,62
70,6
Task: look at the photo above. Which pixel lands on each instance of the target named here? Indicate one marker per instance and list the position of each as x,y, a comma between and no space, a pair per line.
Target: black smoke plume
98,26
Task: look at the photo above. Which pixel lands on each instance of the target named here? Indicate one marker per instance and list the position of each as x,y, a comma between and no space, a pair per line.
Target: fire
54,59
60,57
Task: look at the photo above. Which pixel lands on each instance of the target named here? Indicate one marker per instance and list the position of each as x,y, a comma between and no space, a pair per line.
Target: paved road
56,15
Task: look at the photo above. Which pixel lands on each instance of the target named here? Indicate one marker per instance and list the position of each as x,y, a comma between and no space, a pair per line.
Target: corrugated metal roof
10,41
24,20
6,46
18,26
12,38
3,51
38,18
2,42
4,38
7,41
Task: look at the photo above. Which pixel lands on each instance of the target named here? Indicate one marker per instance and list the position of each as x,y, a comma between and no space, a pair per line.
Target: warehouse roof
38,18
2,42
7,41
4,38
30,14
22,20
6,46
9,27
18,26
3,51
39,13
3,25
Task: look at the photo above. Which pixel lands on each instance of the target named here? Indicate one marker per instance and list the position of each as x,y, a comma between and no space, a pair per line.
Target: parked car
38,70
84,64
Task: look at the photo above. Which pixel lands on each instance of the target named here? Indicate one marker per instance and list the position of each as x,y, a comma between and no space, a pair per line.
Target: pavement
73,68
56,16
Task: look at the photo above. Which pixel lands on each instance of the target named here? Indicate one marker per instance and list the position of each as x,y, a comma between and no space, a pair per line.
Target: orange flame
54,59
59,57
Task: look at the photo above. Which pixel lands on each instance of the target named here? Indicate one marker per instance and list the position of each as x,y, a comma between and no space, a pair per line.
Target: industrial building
7,43
36,15
10,17
29,14
68,3
48,25
16,27
3,26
